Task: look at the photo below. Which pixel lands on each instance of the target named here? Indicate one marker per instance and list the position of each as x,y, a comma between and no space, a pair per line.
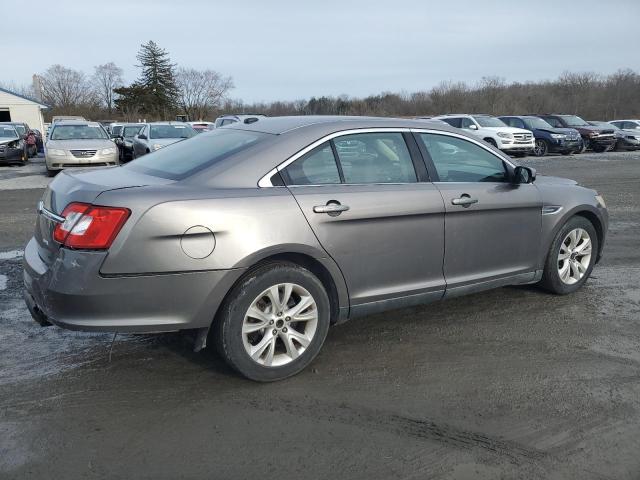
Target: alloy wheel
574,256
540,148
279,325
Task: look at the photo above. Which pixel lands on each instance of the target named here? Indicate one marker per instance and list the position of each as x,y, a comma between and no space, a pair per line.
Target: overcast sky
285,50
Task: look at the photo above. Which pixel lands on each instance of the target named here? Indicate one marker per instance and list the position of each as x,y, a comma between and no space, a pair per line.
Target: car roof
78,122
283,125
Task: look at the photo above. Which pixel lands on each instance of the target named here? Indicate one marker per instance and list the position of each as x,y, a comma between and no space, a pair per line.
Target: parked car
114,129
547,138
12,148
625,139
200,127
494,131
22,129
259,236
235,118
125,140
626,124
597,139
59,118
154,136
77,143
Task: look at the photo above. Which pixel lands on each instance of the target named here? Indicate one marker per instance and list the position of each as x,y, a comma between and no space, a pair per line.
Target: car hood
4,141
507,129
546,180
80,144
593,128
565,131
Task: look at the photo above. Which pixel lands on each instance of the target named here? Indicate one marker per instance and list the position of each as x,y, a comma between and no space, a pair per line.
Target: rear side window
318,167
375,158
188,156
458,160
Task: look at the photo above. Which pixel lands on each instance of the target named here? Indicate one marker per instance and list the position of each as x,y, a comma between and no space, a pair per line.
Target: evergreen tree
158,79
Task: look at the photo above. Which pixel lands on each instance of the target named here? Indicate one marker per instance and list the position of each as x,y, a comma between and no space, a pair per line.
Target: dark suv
547,138
596,138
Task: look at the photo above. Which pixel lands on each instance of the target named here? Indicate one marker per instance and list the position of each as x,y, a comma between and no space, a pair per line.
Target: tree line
590,95
164,90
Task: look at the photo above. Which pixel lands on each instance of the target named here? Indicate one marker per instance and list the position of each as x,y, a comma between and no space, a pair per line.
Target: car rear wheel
571,257
541,148
273,323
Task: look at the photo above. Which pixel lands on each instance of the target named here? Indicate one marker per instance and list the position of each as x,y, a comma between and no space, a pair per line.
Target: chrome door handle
331,208
464,200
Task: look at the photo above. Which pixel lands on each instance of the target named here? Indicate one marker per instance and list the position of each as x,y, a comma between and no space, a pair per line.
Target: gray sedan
260,236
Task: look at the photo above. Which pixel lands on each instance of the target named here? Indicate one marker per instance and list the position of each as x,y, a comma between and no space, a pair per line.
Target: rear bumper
72,294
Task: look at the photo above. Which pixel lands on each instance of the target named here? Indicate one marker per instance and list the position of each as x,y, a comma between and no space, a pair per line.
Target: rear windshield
171,131
78,132
184,158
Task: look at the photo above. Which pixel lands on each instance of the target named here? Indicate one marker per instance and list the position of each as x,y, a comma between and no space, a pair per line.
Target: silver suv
78,143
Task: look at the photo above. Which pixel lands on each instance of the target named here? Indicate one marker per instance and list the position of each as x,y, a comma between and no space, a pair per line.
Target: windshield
130,132
171,131
574,121
78,132
116,129
185,158
8,132
20,129
535,122
489,122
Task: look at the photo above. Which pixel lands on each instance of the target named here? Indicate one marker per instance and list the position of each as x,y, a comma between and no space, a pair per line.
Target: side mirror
142,136
524,174
473,126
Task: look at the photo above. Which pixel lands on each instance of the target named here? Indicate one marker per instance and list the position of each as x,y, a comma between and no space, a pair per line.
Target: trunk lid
81,186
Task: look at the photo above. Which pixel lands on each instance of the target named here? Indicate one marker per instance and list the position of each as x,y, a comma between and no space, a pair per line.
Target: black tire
600,149
541,148
51,173
567,153
227,328
551,280
585,145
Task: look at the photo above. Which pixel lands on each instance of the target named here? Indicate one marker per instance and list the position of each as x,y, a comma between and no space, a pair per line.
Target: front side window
317,167
454,122
375,158
489,122
467,123
458,160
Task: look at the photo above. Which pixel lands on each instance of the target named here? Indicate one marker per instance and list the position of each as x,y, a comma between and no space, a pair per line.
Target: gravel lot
512,383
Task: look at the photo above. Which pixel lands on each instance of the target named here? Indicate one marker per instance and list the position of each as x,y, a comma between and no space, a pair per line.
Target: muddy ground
512,383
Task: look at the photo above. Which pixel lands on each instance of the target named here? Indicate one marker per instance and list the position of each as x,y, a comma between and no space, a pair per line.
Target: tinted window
116,130
8,132
489,122
454,122
317,167
189,156
466,123
375,158
129,132
458,160
554,122
631,125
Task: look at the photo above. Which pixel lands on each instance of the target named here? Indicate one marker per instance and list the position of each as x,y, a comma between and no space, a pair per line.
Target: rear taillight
90,227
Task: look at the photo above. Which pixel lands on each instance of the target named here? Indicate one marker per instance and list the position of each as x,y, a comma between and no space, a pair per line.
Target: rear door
492,226
374,214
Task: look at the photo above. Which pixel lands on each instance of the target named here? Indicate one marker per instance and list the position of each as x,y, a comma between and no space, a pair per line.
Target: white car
627,124
492,130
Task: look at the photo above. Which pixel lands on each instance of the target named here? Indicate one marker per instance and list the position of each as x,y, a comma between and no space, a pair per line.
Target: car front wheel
541,148
571,257
273,323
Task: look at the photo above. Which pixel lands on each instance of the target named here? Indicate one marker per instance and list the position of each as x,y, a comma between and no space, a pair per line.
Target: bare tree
66,89
106,78
201,91
20,89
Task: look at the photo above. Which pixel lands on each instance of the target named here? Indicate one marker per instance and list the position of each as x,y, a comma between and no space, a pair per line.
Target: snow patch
11,254
3,282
